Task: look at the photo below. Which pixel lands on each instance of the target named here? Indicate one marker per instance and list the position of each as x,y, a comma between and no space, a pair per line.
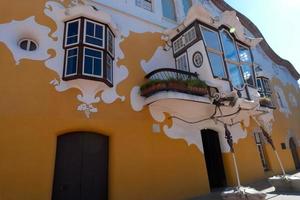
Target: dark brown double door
81,168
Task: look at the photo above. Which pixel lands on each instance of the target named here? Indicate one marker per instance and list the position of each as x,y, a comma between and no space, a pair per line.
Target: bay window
214,51
232,60
89,51
246,64
263,87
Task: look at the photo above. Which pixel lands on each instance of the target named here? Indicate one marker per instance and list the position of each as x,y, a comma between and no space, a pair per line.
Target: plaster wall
168,164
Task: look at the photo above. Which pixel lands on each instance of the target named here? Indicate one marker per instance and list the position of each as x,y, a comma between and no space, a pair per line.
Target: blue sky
278,21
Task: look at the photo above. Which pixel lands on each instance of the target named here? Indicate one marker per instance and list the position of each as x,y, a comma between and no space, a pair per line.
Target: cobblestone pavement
263,186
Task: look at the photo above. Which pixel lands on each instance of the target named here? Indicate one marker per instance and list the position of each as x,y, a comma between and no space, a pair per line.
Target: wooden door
81,168
213,159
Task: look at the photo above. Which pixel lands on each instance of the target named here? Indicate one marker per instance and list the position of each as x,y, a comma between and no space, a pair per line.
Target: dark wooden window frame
81,45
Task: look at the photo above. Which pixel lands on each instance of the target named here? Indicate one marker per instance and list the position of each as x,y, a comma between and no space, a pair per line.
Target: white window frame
109,32
83,62
29,41
67,56
186,60
67,30
186,33
112,69
183,40
181,47
103,34
144,4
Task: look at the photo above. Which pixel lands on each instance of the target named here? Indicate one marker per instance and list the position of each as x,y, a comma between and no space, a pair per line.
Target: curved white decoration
160,59
136,100
11,33
89,90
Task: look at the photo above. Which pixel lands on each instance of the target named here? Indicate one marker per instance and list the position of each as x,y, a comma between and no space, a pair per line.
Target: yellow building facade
73,87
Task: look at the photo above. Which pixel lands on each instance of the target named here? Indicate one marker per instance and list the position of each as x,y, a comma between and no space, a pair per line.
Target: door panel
81,167
213,159
94,169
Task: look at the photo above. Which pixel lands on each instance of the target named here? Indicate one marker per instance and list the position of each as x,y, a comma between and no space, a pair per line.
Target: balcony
174,80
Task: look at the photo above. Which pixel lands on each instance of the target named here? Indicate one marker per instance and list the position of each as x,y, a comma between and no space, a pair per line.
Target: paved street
263,186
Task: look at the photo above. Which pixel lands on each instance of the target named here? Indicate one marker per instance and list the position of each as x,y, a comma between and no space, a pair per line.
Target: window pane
32,46
73,28
94,41
244,54
168,9
92,62
248,74
211,39
110,42
182,63
266,85
146,4
99,31
97,67
93,53
72,40
190,36
186,5
216,62
229,46
71,67
24,44
90,28
94,34
235,76
88,65
109,69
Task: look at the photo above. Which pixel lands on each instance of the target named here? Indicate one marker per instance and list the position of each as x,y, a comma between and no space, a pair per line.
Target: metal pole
236,170
273,147
232,151
280,163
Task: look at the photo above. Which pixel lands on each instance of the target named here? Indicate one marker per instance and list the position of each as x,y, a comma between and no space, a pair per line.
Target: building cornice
223,6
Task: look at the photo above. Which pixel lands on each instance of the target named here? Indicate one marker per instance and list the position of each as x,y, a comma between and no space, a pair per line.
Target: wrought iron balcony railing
171,74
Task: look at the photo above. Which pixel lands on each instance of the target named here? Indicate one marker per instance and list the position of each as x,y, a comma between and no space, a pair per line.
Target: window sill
75,77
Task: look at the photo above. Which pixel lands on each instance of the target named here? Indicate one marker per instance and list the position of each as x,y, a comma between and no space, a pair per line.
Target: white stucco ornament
91,92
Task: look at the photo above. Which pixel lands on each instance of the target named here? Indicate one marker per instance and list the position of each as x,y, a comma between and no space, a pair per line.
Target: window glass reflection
229,47
244,54
211,39
235,76
248,74
216,62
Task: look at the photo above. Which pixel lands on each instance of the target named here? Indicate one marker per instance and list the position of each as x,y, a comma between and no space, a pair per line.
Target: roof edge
223,6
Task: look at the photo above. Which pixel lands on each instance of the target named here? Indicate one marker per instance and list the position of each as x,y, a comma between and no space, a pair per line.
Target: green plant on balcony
265,101
190,86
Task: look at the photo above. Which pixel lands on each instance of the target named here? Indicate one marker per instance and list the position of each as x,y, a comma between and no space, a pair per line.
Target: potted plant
152,86
265,101
197,86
